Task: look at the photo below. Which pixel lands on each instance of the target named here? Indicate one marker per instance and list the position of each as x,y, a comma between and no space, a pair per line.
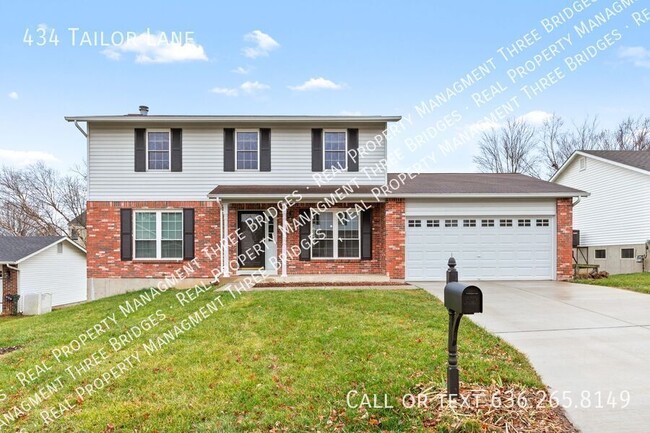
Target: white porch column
224,249
284,240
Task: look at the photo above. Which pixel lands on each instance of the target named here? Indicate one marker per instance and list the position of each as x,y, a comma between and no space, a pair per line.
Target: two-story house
192,198
613,223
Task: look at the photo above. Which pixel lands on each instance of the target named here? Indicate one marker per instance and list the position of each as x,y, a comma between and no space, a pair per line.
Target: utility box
35,304
463,298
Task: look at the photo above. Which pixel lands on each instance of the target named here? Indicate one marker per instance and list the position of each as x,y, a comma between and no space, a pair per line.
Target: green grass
639,282
265,360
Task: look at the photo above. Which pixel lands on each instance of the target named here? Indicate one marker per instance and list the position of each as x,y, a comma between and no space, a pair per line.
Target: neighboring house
164,190
614,221
77,229
42,265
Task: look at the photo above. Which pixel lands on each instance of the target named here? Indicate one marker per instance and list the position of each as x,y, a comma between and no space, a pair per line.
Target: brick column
564,212
9,287
395,238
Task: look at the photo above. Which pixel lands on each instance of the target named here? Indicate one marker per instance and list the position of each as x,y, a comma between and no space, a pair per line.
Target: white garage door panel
489,253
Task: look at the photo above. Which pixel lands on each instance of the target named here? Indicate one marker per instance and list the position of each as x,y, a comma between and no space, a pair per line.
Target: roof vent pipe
144,110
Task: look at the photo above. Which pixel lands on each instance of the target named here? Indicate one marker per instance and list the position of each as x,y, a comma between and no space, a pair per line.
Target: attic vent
144,110
583,163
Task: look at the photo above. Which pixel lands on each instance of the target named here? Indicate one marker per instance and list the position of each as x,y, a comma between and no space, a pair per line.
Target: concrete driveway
587,342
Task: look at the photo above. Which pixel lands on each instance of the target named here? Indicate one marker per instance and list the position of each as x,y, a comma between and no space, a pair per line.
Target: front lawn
639,282
264,361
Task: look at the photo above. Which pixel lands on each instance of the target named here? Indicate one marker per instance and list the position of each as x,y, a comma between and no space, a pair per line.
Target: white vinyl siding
112,176
617,212
63,275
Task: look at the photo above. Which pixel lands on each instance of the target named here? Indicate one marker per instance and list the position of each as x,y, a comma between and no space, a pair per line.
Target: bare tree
37,200
559,143
631,134
509,149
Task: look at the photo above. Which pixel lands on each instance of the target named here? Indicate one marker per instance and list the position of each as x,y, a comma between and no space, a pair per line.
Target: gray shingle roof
481,183
14,248
633,158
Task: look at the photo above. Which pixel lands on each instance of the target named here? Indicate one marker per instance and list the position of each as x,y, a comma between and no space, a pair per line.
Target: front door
251,245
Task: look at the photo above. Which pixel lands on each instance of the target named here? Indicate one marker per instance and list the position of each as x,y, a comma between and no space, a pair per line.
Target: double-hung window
158,234
336,235
335,148
158,150
247,149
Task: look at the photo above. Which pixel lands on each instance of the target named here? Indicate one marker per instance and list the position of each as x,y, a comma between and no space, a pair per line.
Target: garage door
489,248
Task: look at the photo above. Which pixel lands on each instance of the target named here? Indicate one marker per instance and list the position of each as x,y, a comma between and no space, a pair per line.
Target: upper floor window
158,235
335,150
158,150
247,150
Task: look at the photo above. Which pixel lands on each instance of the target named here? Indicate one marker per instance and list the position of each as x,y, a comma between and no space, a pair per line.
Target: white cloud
483,126
227,91
317,83
248,87
25,157
13,95
262,42
536,117
638,56
251,87
241,70
150,48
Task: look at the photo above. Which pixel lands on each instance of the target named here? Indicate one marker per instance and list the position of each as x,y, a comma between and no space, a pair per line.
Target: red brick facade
103,243
396,238
9,287
564,212
388,241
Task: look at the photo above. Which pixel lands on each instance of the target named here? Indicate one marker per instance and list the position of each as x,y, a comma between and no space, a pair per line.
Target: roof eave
232,119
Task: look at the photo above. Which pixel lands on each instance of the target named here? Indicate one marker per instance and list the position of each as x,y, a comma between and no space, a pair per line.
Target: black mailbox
463,298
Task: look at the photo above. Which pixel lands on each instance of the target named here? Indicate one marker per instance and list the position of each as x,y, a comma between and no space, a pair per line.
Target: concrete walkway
585,341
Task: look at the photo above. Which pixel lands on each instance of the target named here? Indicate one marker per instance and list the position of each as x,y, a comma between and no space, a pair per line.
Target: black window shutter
265,149
366,234
305,230
140,149
188,234
316,150
177,150
228,149
353,150
126,234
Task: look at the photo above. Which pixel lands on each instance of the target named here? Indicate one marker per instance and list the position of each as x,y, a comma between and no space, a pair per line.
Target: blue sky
334,57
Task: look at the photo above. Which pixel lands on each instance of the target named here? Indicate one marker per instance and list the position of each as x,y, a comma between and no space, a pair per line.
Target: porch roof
350,191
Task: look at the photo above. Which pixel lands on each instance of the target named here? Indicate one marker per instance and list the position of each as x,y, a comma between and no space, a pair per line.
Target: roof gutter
76,123
13,268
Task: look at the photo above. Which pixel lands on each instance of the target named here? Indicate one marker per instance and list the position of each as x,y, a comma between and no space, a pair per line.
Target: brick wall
103,242
395,238
325,266
9,287
564,211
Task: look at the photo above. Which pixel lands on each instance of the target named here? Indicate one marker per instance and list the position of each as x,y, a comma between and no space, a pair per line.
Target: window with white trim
158,149
523,223
335,148
158,235
337,235
544,222
451,223
433,223
487,223
505,223
247,150
415,223
469,223
627,253
600,254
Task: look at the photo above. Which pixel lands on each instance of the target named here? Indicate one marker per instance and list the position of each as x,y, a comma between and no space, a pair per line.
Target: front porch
297,244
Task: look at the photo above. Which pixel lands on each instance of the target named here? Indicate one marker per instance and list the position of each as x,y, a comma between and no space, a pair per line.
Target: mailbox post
460,299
